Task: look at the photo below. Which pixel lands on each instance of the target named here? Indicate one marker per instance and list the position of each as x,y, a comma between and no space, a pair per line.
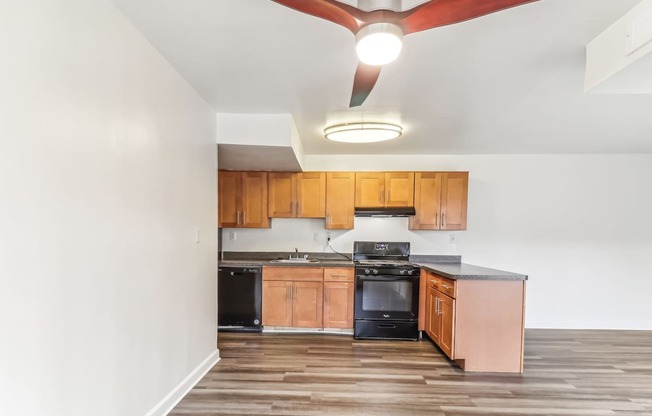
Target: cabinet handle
380,195
389,193
292,208
338,275
443,219
436,306
295,293
299,208
436,219
288,292
445,286
237,217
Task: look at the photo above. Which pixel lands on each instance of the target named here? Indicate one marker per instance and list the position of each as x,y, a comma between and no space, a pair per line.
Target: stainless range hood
385,212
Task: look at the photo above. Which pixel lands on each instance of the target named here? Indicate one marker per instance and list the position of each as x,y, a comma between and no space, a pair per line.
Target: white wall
579,226
107,165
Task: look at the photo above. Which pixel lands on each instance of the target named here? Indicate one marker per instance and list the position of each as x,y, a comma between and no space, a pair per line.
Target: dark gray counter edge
463,271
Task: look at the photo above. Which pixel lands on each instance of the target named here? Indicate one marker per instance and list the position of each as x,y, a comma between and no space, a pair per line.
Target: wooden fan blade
363,82
437,13
330,10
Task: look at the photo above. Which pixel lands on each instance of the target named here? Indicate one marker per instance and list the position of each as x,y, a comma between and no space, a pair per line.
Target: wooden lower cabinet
477,323
308,297
307,304
446,319
277,303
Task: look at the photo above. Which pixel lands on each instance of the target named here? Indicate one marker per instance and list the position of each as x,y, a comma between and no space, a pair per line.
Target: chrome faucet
296,251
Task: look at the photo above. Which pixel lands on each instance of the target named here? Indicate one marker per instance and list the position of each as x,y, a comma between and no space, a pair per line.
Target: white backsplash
287,234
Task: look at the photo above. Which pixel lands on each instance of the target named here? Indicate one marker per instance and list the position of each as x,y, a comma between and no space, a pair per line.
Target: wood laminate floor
566,373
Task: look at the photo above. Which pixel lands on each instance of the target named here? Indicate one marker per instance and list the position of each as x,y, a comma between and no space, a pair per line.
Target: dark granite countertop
320,263
447,265
470,272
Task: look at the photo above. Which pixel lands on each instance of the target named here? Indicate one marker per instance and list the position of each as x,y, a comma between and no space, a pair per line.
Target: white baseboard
166,405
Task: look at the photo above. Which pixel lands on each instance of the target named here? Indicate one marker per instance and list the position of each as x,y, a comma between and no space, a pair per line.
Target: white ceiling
510,82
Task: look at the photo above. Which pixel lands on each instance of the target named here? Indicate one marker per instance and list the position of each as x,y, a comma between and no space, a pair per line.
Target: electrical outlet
232,235
452,238
315,236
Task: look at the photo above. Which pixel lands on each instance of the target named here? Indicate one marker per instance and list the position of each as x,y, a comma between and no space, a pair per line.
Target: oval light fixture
379,43
363,132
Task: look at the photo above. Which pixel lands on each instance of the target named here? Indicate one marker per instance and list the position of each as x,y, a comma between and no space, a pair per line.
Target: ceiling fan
379,26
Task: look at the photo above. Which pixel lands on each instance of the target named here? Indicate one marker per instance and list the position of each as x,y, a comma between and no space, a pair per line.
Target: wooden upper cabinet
228,190
340,198
399,189
440,200
369,189
384,189
282,195
311,194
242,199
454,195
297,195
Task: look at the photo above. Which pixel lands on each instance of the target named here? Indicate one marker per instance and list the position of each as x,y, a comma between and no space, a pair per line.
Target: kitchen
112,113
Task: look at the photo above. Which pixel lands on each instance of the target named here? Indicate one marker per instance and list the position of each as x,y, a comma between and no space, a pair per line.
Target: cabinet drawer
442,284
304,274
447,286
338,274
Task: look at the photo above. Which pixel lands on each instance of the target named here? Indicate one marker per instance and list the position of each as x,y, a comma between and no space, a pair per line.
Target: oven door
387,298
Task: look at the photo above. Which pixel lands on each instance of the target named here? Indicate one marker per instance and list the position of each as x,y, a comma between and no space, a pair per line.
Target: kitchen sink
299,260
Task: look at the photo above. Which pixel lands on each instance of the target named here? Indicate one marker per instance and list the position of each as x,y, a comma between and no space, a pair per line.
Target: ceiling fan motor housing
371,5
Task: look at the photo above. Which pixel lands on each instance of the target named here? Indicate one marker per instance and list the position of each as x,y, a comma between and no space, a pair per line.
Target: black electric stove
386,291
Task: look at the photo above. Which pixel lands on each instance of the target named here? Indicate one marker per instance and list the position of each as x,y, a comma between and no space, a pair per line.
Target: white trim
166,405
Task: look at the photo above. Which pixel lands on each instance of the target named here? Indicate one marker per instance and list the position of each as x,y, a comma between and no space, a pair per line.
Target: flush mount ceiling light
363,132
379,43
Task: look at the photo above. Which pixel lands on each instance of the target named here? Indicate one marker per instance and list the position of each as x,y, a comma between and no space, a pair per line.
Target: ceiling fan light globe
379,43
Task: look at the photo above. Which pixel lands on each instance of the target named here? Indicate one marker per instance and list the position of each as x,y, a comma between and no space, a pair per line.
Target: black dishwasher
239,298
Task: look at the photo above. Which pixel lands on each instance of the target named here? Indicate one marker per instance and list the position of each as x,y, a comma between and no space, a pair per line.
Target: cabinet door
277,303
338,305
369,189
308,305
423,299
447,319
432,317
455,188
399,189
228,212
311,195
340,195
282,195
254,200
427,201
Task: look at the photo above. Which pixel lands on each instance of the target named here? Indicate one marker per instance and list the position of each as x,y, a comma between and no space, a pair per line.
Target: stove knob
410,271
402,272
375,271
367,271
